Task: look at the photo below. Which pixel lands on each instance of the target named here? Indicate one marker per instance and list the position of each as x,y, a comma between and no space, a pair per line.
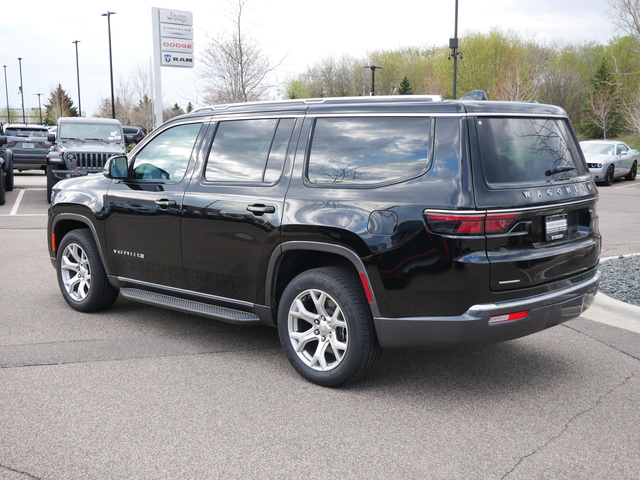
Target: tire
326,328
51,181
81,275
8,181
633,172
3,195
608,177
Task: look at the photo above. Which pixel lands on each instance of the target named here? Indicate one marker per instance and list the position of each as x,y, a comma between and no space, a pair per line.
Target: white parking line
16,205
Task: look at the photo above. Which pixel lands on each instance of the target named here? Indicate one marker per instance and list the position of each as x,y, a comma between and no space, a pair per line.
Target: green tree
405,87
58,105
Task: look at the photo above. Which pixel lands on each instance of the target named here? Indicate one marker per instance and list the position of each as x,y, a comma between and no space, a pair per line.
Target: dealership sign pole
172,47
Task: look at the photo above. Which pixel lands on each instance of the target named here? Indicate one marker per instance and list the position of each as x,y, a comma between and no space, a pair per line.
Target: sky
295,33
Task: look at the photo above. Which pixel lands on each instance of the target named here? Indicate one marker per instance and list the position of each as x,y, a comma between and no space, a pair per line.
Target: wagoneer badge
568,190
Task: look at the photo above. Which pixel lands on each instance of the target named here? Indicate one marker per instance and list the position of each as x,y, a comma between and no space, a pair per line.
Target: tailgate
533,182
544,245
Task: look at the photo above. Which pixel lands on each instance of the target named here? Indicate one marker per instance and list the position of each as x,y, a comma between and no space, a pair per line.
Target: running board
223,314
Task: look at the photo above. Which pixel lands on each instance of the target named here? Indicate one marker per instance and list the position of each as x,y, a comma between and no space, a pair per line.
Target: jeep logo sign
176,17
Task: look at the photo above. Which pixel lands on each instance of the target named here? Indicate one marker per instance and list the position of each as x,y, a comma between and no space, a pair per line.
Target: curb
610,311
613,312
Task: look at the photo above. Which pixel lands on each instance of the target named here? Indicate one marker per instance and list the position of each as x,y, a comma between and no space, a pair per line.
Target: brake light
508,317
471,223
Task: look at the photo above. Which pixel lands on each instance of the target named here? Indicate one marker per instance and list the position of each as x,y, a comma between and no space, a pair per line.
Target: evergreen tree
58,105
405,87
602,117
189,107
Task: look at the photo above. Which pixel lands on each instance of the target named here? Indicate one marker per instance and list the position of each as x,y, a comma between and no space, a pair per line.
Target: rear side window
249,150
527,150
365,151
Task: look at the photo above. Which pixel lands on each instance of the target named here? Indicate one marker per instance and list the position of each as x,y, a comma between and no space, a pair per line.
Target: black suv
351,224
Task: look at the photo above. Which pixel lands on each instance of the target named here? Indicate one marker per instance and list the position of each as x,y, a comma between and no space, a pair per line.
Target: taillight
471,223
499,222
455,224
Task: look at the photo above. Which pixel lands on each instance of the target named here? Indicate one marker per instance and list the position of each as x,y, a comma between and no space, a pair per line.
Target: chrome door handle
164,203
259,209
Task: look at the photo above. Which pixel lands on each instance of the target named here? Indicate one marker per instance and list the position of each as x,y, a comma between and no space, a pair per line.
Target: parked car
610,159
82,146
349,224
28,144
136,134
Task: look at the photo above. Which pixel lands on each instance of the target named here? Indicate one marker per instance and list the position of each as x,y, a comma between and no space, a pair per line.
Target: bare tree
626,16
600,108
514,84
133,106
234,67
631,111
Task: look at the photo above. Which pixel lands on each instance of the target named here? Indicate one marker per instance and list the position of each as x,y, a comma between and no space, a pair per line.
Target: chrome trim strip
512,209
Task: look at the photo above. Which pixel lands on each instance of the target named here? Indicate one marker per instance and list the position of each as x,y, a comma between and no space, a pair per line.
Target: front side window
167,155
361,151
249,150
527,150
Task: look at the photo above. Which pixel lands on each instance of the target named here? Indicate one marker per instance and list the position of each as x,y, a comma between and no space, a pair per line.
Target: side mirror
51,137
117,168
128,139
3,139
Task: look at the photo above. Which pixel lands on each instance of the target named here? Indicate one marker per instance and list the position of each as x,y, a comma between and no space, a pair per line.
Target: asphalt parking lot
138,392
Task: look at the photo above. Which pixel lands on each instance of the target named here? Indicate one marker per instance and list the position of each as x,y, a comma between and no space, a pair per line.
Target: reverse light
508,317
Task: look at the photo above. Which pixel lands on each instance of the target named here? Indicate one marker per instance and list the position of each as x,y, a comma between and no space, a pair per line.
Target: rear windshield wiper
553,171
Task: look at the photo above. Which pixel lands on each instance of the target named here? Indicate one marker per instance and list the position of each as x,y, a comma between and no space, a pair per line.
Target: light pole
113,103
78,76
373,78
453,45
24,119
39,106
6,90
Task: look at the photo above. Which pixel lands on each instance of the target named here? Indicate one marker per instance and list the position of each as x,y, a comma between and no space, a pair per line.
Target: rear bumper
473,326
27,162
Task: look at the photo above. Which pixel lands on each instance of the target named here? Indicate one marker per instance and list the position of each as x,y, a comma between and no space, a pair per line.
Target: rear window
367,151
527,150
25,132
